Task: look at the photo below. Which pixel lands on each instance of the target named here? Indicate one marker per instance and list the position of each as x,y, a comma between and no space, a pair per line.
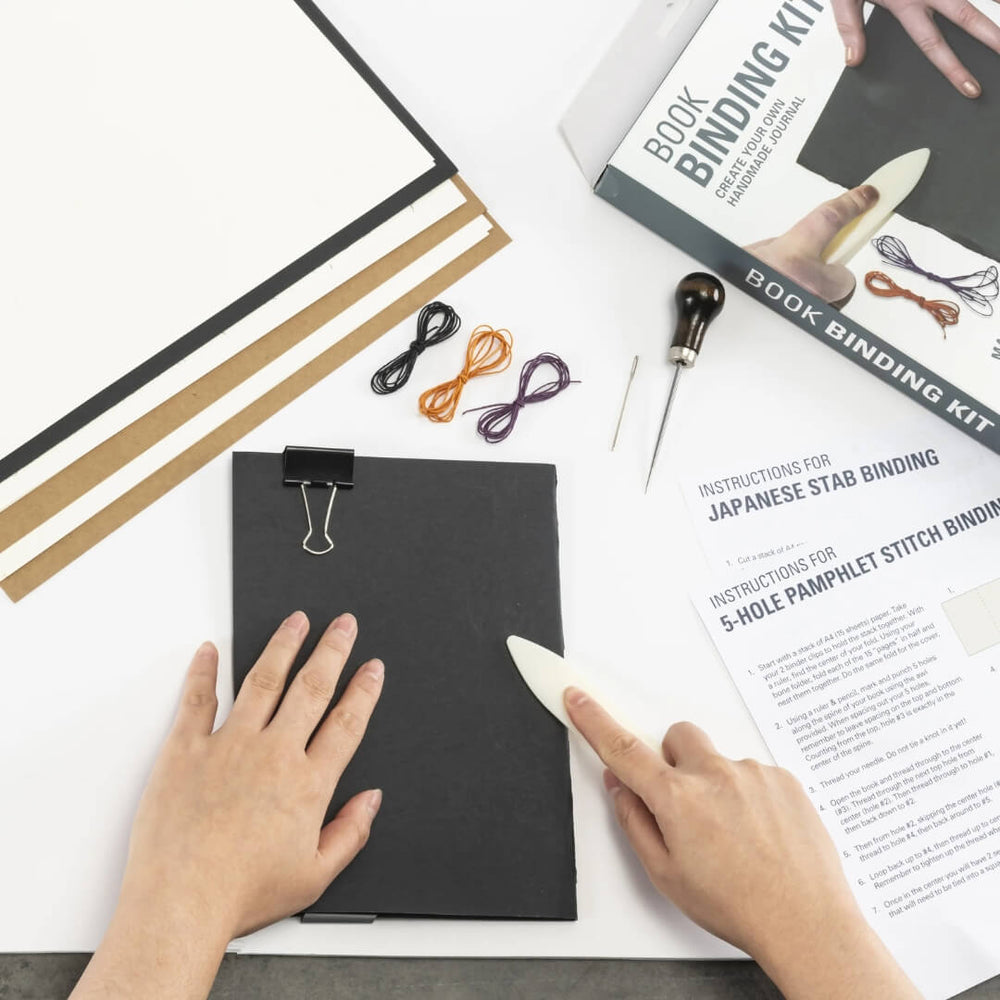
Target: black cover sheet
897,101
440,561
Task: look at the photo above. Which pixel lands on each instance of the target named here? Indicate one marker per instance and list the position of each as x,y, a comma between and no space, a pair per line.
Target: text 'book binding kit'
720,124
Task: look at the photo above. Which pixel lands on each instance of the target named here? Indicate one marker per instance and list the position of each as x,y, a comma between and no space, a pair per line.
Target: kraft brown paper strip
67,486
79,541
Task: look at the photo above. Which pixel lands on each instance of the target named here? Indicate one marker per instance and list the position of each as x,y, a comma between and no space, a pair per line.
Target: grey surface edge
734,264
52,977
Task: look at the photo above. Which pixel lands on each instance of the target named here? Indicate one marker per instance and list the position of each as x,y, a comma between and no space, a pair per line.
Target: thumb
811,234
341,840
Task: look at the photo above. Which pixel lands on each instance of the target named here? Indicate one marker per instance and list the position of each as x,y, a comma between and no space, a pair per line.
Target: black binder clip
330,468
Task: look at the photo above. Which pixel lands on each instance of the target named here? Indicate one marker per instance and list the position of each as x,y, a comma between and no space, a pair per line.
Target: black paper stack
440,562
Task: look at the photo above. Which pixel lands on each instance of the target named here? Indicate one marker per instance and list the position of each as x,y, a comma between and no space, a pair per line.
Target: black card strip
190,342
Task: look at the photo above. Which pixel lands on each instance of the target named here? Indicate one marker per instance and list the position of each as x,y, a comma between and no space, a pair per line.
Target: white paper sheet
160,162
881,702
36,542
370,248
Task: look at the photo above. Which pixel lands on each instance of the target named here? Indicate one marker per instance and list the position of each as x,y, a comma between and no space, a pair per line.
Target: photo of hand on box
917,19
798,253
897,101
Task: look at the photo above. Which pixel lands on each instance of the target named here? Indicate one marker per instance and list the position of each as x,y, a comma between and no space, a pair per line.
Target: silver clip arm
326,523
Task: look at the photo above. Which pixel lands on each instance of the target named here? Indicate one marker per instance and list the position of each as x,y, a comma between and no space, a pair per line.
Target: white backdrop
93,660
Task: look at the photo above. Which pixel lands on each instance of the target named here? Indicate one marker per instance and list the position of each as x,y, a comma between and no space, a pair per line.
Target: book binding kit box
754,123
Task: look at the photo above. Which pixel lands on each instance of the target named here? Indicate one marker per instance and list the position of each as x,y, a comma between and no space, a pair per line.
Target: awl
700,298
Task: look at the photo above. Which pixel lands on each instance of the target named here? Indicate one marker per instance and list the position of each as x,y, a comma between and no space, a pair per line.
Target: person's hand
738,847
797,254
229,834
916,18
232,819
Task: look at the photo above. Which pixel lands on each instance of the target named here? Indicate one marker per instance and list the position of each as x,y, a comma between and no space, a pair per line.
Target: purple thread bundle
978,290
498,419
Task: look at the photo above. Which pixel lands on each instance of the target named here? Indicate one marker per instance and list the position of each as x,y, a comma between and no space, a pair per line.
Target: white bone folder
548,675
894,182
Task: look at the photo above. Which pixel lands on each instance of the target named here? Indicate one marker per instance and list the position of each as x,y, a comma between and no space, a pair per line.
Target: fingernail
574,696
205,649
375,669
346,624
849,55
972,88
374,801
297,622
869,192
611,783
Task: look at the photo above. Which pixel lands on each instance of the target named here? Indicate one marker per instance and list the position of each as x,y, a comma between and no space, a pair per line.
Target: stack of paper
206,208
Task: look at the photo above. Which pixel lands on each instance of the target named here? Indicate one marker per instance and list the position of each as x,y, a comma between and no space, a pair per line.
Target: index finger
260,692
625,755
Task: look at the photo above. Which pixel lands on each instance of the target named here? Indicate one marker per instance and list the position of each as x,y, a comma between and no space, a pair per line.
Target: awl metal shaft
674,382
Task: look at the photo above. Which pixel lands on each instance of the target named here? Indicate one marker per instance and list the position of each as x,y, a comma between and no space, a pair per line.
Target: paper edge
34,573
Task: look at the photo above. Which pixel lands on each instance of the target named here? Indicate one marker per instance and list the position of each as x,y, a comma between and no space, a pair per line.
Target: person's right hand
738,847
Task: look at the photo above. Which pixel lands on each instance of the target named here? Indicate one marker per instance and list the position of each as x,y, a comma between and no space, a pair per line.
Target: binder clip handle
331,468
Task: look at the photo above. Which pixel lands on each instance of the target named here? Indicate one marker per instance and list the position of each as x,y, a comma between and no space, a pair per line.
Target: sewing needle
628,389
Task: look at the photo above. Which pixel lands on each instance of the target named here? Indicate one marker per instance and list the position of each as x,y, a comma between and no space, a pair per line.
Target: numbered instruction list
862,686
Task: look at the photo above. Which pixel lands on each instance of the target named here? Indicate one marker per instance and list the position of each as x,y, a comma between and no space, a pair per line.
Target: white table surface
93,660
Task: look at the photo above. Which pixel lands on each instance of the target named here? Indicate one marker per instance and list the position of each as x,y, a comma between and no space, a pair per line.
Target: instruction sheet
855,599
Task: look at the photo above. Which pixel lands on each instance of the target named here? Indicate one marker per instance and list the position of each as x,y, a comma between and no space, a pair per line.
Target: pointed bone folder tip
547,676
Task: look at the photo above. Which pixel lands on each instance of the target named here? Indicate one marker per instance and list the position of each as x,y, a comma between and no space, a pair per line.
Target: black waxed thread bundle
978,289
498,420
435,324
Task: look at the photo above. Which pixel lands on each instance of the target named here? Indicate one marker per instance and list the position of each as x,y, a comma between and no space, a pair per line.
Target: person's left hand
229,834
230,822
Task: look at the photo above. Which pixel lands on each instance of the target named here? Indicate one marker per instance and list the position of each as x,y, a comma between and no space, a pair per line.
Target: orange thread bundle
946,313
489,352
